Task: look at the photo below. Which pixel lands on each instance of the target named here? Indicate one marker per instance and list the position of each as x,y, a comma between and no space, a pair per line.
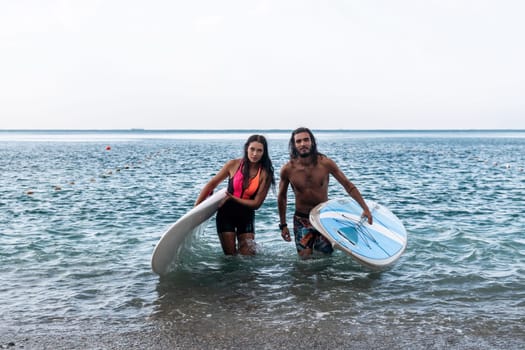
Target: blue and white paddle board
192,223
375,246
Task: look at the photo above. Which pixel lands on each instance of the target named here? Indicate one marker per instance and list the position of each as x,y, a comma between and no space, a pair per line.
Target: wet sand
209,336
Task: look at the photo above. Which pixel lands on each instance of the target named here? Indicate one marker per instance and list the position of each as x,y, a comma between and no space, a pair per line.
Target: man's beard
305,155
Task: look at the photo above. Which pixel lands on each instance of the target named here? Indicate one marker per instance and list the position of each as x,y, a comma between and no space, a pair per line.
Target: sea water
81,212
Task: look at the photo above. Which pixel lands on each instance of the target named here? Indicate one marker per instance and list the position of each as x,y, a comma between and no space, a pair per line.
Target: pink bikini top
235,184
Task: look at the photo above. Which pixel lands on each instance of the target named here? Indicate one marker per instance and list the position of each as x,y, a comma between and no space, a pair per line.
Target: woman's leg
247,243
228,243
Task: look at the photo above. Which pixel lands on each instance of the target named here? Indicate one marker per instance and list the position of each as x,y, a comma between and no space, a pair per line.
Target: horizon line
239,130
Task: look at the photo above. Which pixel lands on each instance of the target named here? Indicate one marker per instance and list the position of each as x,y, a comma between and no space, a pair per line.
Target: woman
249,179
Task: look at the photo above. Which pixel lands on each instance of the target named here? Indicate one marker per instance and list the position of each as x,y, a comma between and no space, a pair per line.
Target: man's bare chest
304,178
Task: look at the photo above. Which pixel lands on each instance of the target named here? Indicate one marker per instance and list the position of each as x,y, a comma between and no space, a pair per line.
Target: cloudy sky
209,64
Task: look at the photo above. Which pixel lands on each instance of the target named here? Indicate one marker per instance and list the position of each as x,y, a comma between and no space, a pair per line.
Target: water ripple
78,226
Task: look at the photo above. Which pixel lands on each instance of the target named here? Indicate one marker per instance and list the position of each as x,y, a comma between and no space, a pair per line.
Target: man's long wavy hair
266,162
294,153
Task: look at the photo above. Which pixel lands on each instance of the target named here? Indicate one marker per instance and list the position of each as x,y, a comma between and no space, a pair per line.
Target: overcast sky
216,64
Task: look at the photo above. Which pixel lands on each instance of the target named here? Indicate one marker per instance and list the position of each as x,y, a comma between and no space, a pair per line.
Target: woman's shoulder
234,161
233,164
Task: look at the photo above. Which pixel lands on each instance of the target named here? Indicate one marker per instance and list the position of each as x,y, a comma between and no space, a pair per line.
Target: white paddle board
194,221
375,246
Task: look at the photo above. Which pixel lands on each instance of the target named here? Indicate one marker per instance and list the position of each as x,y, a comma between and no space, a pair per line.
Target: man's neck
306,160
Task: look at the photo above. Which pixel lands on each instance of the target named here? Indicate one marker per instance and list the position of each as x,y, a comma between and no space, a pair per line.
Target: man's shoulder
323,158
326,162
288,164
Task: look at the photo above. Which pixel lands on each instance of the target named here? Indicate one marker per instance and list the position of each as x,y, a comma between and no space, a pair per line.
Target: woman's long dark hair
266,162
294,153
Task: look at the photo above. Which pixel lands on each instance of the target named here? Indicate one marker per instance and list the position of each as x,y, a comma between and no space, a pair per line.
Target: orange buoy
108,148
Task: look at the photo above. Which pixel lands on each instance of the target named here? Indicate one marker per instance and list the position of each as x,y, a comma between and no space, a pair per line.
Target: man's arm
282,200
350,188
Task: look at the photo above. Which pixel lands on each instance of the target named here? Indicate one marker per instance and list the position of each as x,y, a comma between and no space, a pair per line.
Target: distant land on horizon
257,130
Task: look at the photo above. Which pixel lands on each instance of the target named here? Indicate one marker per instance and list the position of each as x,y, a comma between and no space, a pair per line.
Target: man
308,172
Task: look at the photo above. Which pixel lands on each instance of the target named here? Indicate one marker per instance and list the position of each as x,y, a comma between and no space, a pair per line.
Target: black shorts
234,217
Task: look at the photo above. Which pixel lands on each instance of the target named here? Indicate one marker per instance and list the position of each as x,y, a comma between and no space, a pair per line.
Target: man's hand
368,215
285,234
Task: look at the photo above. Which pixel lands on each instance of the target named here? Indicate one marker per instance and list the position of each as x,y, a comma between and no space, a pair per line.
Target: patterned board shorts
306,236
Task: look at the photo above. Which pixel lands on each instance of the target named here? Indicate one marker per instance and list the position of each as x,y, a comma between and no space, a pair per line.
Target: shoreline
206,334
